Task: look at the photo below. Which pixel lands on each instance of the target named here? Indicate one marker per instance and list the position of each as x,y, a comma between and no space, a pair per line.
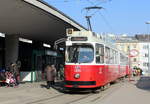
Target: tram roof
34,19
92,38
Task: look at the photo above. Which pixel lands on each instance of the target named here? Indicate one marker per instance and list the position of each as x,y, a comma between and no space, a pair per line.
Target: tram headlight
77,76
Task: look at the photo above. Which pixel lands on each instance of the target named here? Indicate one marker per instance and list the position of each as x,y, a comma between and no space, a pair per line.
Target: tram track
45,99
97,97
75,98
107,92
78,98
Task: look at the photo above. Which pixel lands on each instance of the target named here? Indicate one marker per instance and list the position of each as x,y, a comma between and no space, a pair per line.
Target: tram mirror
69,31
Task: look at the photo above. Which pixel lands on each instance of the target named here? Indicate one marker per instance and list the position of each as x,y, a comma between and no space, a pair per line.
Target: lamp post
147,23
148,59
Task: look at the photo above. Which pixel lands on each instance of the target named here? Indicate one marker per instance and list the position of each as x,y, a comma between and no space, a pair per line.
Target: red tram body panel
92,76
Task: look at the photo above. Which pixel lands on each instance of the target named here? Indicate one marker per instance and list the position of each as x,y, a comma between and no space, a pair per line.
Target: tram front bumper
80,84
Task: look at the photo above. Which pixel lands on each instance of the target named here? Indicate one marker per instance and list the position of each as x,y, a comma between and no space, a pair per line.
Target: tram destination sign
79,39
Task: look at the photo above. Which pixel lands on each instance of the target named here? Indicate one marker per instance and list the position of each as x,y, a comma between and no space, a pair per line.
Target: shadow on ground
59,86
144,83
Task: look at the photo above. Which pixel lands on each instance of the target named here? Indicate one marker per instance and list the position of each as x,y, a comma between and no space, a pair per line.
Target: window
122,47
80,53
145,46
134,60
146,55
123,59
134,45
99,53
107,55
116,57
128,48
145,64
112,54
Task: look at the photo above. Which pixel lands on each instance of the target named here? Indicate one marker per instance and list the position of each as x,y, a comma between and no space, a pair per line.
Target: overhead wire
102,1
102,16
58,1
95,3
106,22
90,2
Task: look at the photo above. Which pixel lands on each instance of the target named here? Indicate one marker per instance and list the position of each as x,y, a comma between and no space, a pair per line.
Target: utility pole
148,59
147,23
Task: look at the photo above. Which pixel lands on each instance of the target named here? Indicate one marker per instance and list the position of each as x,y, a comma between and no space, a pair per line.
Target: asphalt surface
136,91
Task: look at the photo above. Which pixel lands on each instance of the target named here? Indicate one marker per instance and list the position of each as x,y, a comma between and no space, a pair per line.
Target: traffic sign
134,53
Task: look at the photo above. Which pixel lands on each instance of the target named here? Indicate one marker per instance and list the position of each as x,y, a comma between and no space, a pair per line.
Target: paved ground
133,92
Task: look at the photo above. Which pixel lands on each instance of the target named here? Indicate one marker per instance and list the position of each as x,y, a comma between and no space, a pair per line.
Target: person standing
50,75
17,71
53,74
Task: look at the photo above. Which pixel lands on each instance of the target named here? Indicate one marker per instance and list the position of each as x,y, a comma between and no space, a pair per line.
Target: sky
118,16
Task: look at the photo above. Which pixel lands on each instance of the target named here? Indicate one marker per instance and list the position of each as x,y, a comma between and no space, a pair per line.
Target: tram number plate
77,69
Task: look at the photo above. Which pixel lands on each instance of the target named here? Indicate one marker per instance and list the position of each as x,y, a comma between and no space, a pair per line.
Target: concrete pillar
2,52
12,48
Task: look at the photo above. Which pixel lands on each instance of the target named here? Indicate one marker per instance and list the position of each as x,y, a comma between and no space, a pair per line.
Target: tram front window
80,54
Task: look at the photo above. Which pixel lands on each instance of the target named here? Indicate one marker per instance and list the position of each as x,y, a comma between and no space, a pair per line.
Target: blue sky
119,16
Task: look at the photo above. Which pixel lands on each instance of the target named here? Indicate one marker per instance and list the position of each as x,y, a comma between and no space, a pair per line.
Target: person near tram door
50,75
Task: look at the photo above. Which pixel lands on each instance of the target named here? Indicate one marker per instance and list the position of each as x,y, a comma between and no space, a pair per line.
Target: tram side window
116,57
123,60
111,56
107,55
99,53
127,61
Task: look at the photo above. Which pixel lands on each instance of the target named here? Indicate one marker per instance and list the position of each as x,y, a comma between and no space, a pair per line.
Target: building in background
144,43
129,45
137,48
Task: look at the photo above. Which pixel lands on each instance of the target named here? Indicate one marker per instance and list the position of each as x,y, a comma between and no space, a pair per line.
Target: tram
91,62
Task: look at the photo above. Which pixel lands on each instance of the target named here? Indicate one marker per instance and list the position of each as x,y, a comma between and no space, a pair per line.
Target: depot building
32,32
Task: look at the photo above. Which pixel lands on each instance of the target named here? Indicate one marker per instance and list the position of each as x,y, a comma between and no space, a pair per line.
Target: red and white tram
90,62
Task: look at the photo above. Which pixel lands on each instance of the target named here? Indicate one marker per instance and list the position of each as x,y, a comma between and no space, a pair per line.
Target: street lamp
148,22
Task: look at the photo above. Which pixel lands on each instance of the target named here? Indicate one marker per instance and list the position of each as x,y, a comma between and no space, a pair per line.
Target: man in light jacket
50,75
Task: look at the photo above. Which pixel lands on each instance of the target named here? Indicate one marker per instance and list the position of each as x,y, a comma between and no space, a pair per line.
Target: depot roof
34,19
